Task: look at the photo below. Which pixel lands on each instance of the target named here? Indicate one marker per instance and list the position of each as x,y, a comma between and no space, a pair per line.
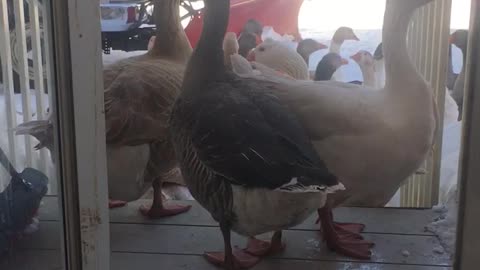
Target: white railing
20,45
428,45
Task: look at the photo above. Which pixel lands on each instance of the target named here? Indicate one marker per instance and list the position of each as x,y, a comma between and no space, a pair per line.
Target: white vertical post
47,38
23,71
5,55
48,57
38,71
89,120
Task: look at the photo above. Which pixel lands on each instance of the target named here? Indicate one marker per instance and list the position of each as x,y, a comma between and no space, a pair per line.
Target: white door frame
80,127
468,238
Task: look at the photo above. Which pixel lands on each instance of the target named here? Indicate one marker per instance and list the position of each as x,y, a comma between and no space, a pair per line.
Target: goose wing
253,141
138,102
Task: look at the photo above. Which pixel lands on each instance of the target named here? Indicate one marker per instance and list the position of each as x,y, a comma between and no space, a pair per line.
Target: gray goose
243,154
328,65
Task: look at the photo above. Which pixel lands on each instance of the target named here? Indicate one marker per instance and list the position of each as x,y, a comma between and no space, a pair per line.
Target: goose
355,129
239,64
379,67
292,63
328,65
249,37
341,35
366,62
460,39
230,47
308,46
243,154
139,93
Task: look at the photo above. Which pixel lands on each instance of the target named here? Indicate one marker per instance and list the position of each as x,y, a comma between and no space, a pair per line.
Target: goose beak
354,37
356,57
251,55
344,61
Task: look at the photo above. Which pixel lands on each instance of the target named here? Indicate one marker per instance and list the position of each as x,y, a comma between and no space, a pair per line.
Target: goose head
328,65
344,33
459,38
363,59
253,27
308,46
366,61
250,37
278,56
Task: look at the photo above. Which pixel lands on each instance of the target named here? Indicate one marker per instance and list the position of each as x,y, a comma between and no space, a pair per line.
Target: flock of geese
260,144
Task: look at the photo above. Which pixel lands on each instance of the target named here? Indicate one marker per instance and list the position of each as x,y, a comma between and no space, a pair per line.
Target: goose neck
171,40
399,70
368,73
207,61
335,46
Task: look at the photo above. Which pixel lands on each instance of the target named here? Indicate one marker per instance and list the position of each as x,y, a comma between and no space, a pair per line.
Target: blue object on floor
19,201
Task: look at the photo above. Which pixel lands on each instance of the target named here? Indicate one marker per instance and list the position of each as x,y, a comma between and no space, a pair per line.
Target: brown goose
139,93
243,154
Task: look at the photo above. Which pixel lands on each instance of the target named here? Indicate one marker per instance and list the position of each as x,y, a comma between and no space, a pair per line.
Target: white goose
372,140
339,37
366,63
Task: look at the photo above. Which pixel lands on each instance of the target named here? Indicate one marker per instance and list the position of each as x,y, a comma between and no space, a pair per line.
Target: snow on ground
444,226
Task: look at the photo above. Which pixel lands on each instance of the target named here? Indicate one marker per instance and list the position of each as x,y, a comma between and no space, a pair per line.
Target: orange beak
344,61
251,55
356,57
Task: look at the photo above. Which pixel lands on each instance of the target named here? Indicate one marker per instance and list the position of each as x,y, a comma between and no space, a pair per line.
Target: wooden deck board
301,245
179,242
49,260
377,220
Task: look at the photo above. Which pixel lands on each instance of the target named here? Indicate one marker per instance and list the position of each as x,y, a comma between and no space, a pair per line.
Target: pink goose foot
262,248
155,212
343,237
241,259
116,204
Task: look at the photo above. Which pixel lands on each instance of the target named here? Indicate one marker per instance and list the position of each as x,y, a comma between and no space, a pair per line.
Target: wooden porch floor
178,242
